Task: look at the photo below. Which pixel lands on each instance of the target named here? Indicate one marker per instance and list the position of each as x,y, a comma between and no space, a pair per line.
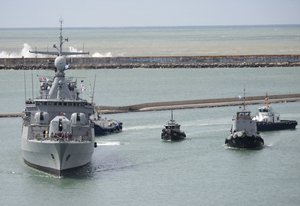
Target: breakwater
200,103
230,61
186,104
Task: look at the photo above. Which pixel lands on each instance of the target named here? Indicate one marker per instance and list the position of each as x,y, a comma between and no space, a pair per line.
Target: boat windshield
263,110
243,115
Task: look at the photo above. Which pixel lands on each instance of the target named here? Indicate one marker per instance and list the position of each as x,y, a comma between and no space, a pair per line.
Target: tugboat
268,120
244,132
105,126
57,134
172,131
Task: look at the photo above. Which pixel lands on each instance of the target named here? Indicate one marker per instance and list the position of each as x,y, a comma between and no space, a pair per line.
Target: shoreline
228,61
187,104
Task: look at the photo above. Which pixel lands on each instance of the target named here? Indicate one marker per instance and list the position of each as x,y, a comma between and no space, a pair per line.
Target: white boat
268,120
243,133
57,133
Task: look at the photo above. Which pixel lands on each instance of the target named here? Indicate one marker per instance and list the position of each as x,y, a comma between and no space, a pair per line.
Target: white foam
73,49
143,127
114,143
97,54
24,52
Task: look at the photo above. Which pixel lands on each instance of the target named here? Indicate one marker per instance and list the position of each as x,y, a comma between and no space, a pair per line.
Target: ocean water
158,41
122,87
135,167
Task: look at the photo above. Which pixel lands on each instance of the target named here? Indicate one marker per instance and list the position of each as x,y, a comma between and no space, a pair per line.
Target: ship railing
60,137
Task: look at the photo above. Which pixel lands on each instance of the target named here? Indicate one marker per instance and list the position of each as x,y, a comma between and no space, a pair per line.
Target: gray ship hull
56,157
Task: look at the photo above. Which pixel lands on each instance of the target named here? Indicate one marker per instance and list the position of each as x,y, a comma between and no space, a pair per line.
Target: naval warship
57,133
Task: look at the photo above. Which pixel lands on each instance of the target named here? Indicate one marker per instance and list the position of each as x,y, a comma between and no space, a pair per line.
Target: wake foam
110,143
142,127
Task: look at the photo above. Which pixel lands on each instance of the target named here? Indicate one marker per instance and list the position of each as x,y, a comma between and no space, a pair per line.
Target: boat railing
61,137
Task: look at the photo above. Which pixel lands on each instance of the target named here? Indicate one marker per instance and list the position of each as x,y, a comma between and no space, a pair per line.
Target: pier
201,103
187,104
11,114
229,61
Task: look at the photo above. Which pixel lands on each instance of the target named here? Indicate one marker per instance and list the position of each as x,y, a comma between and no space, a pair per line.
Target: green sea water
136,168
156,41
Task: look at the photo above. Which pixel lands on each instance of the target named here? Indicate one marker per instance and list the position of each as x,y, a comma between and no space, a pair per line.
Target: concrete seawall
201,103
157,62
187,104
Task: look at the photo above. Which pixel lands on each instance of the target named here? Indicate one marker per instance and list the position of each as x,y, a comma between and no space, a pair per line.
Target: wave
97,54
24,52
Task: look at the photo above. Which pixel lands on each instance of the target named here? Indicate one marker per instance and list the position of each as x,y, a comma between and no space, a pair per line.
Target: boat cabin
243,122
172,125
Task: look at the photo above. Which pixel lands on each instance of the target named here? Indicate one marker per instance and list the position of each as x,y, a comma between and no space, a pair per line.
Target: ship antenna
32,92
61,39
94,89
267,100
25,86
244,102
59,48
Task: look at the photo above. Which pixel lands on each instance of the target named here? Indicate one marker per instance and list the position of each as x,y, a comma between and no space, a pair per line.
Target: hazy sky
122,13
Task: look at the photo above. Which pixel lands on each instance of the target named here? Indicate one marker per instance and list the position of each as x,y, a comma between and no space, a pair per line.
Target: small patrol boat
244,132
172,131
268,120
104,126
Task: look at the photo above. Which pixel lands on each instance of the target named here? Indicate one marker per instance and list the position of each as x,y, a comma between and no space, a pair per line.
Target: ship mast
59,49
244,102
61,39
267,100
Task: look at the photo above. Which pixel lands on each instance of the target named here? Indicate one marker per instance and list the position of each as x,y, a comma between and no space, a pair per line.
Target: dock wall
186,104
156,62
199,103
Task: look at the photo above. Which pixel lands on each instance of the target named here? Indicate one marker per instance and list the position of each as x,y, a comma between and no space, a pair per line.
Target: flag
82,86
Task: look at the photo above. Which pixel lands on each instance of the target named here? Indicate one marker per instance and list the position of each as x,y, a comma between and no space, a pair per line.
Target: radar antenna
61,39
244,100
59,49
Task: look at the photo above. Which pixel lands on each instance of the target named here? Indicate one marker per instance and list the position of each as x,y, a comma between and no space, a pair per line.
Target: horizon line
167,26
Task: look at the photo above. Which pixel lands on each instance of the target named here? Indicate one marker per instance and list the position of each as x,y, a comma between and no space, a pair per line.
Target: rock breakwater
234,61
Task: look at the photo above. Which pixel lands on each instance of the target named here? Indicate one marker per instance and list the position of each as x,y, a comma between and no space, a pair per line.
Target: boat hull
249,142
56,157
104,130
271,126
173,136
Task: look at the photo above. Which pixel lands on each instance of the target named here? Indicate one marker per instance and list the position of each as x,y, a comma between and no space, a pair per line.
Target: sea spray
24,52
